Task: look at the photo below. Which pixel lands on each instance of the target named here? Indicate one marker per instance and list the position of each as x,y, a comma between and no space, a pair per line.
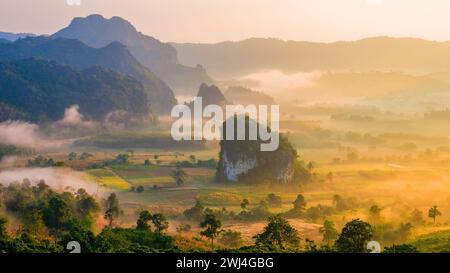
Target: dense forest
79,56
49,220
39,90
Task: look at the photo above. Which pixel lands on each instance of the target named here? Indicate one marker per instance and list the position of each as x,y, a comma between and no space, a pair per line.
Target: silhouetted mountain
161,58
14,36
40,90
246,96
4,41
231,59
210,95
74,53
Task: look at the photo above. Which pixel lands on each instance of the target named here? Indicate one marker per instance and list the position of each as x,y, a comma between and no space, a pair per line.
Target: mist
22,134
73,117
59,179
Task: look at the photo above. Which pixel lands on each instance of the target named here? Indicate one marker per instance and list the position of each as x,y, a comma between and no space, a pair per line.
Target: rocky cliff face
243,161
233,169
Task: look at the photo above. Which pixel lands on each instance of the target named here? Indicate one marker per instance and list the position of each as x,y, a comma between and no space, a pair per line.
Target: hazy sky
218,20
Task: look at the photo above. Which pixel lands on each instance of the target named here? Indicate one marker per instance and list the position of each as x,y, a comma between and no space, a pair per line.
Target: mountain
40,90
210,94
14,36
243,160
161,58
114,56
233,59
246,96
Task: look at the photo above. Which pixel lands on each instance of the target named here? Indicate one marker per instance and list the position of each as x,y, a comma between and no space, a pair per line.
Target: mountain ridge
383,53
80,56
161,58
40,90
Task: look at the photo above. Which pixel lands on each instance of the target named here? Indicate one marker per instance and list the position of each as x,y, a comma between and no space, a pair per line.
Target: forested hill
40,90
114,56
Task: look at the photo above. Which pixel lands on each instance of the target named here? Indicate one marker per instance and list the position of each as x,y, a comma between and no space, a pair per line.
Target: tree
160,222
196,212
231,238
319,211
278,234
112,211
147,162
352,156
354,237
122,158
329,232
310,166
433,212
192,158
342,204
34,223
337,199
3,231
330,177
86,204
85,156
261,211
58,213
211,227
274,201
142,222
417,217
72,156
299,207
244,204
140,189
80,233
179,175
404,248
300,203
403,231
375,213
184,228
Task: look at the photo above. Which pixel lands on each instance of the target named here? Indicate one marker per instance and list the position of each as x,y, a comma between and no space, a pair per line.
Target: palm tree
433,213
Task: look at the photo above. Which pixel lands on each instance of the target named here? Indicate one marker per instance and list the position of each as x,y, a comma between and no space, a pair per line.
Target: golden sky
219,20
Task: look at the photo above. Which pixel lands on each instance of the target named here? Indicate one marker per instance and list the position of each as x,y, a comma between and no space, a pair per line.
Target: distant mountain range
14,36
161,58
114,56
234,59
40,90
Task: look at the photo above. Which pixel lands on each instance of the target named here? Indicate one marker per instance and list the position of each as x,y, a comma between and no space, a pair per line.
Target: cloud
8,160
59,179
73,117
20,134
27,135
274,81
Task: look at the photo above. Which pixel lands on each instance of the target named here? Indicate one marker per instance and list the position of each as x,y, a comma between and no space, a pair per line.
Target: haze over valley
87,151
